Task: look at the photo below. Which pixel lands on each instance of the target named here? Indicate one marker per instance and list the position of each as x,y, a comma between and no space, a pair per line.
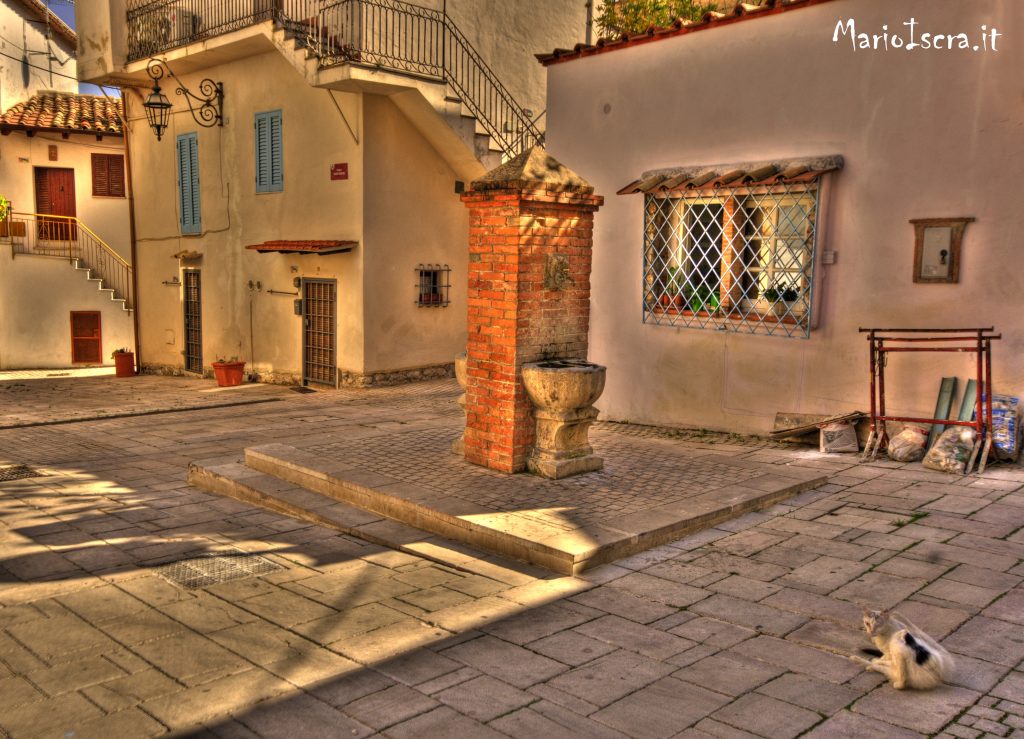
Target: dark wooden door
86,338
55,195
319,314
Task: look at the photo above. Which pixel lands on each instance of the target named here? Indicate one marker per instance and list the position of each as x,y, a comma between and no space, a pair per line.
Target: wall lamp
208,110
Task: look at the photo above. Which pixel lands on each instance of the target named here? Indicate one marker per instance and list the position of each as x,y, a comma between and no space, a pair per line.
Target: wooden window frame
956,228
103,184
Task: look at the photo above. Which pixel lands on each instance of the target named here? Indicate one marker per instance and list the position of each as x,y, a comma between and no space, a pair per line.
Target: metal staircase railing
411,39
387,34
66,237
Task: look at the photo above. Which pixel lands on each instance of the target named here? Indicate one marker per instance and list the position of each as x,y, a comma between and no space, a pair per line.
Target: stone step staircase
418,519
270,477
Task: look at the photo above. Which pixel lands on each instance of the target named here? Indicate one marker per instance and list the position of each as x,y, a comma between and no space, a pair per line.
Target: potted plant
124,362
791,299
229,372
704,299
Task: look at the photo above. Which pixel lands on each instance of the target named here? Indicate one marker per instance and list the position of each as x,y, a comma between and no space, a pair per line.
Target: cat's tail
871,652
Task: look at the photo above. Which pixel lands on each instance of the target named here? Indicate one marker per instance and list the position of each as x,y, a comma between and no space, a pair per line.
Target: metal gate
319,313
193,322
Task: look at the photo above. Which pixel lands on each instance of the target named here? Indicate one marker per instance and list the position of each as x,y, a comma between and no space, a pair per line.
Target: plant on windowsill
124,362
673,295
702,299
229,372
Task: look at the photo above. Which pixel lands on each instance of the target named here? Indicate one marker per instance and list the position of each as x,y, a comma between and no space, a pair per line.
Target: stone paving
75,395
737,631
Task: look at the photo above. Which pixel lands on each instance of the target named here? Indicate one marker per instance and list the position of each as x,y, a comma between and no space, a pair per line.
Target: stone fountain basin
460,369
563,384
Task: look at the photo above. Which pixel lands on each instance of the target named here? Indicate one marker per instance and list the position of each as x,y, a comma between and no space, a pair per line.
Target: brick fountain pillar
530,241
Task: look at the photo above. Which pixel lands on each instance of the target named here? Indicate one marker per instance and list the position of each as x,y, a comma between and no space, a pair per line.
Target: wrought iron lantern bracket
207,108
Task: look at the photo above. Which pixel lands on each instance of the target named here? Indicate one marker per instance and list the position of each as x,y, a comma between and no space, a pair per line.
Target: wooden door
55,195
86,338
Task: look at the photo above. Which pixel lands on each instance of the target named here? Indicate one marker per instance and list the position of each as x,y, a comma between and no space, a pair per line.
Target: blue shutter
269,160
188,184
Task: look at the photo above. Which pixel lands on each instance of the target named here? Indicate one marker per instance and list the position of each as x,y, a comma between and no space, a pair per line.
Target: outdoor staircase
415,55
66,237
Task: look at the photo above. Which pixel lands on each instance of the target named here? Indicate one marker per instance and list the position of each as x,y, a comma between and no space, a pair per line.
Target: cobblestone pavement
737,631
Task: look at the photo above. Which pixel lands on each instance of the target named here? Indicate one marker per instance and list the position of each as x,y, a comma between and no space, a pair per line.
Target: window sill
732,315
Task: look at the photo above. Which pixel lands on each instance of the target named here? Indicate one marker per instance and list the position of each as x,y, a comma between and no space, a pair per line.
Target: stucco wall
316,133
19,155
19,30
37,295
924,134
412,217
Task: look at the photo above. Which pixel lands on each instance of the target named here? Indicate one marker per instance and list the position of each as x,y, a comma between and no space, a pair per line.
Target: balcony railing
378,34
65,237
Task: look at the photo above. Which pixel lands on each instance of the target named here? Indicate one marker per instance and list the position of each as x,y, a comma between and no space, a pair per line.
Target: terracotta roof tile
679,27
306,246
50,110
709,177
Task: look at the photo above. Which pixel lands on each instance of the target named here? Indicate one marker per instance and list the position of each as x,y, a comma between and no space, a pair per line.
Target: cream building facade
54,312
337,254
897,134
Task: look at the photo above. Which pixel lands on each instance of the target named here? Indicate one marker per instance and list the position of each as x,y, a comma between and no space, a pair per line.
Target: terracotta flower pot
229,374
124,364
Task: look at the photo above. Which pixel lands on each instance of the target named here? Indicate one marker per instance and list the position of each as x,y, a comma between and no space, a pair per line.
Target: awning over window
710,177
304,247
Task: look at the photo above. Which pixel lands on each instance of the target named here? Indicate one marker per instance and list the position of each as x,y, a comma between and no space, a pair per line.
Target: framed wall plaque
937,248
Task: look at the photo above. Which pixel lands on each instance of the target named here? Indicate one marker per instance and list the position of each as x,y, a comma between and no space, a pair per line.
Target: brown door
86,339
55,195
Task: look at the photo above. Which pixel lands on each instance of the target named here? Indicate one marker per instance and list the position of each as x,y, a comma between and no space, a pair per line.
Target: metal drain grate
210,569
18,472
303,390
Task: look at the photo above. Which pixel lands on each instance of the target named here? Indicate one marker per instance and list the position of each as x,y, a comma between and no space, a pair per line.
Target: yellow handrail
81,225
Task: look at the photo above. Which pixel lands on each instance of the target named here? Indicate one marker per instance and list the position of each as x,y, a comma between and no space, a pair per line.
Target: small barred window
731,258
433,285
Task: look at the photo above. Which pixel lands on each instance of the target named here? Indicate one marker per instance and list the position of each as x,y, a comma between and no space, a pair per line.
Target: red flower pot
228,374
124,364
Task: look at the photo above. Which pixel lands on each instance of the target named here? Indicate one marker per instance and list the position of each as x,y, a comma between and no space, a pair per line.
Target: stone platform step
370,504
236,480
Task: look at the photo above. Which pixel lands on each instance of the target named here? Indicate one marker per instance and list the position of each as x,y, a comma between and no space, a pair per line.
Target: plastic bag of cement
951,451
840,436
908,444
1006,430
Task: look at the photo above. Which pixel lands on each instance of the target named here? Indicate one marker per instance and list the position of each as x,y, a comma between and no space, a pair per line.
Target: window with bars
731,258
433,285
269,155
108,175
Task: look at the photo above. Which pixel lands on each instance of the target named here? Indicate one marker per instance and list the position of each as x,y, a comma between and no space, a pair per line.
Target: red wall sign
339,171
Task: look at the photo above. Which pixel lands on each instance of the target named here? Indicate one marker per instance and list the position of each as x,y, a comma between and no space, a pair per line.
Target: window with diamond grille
731,258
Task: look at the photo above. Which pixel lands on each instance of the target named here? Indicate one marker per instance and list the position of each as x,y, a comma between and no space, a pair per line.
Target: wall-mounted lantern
208,110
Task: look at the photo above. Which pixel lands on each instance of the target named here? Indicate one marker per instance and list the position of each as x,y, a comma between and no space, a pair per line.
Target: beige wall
20,155
37,295
924,134
316,133
412,217
19,32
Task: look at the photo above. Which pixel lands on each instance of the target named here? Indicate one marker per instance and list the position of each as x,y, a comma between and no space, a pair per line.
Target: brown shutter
108,175
100,182
42,190
115,174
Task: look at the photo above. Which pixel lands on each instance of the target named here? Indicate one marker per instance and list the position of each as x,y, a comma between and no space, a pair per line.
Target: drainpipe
131,234
590,21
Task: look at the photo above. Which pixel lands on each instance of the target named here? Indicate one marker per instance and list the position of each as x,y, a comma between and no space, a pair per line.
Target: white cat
909,657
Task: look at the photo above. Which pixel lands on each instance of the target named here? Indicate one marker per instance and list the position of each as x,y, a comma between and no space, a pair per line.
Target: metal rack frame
976,341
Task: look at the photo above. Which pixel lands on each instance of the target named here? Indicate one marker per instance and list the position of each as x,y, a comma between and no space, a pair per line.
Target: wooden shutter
189,217
108,175
269,160
42,190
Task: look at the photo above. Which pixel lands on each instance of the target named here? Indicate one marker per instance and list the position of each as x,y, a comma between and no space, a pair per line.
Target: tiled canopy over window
732,247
